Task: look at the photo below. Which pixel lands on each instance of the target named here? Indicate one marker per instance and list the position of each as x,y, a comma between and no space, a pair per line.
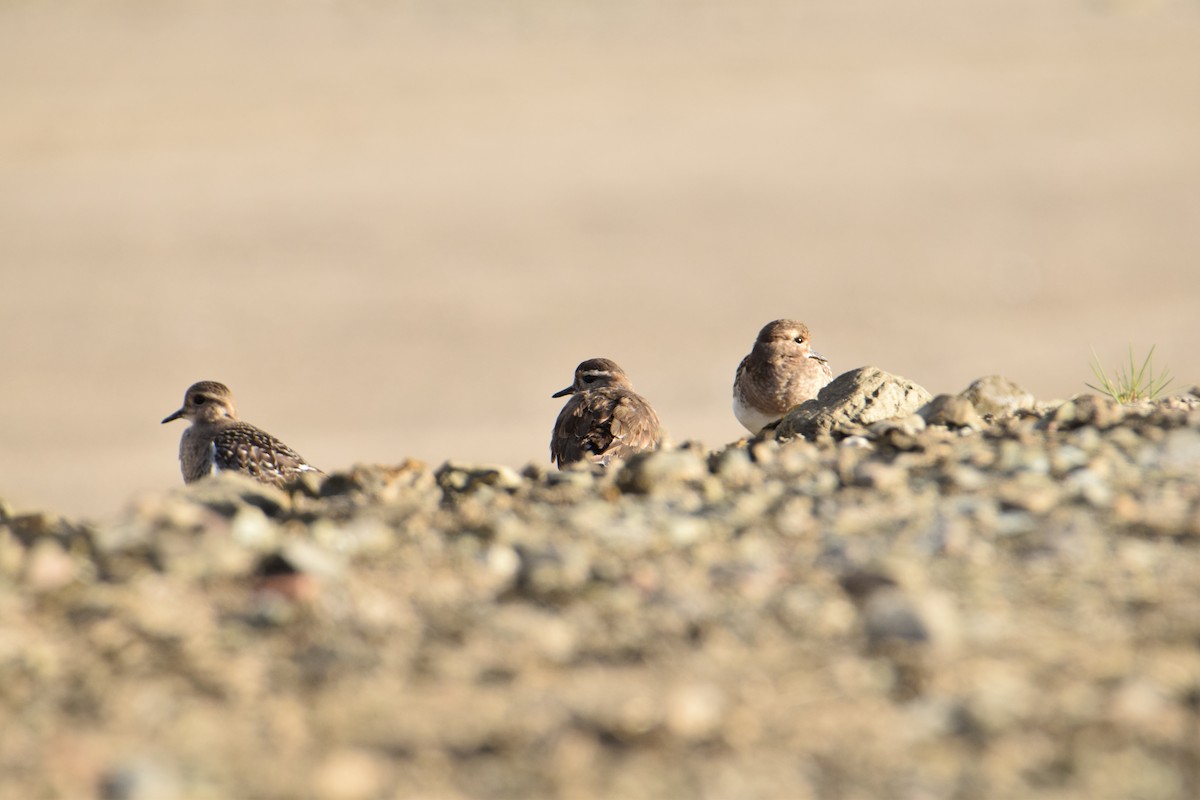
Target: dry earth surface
985,599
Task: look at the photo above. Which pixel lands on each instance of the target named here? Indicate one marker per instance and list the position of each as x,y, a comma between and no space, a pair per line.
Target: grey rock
853,401
997,395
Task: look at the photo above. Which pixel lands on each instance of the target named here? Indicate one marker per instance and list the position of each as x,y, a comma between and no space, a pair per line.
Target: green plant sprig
1132,384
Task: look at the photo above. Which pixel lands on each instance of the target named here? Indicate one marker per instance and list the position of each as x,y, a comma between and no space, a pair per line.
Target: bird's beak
817,356
177,415
564,392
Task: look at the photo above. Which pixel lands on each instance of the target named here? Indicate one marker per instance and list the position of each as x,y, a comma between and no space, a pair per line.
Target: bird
604,420
218,441
781,372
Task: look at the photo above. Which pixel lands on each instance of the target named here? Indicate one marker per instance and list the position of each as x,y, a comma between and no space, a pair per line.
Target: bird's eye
198,400
589,378
799,340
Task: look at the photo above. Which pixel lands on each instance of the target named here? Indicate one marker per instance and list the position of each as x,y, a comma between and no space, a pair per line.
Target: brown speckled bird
604,419
218,440
781,372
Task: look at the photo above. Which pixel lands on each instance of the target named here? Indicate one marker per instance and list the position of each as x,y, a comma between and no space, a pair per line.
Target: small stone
227,492
310,559
348,774
881,477
1066,458
552,572
140,779
12,554
953,411
1028,492
659,470
252,529
997,395
1181,450
359,536
734,467
1085,409
48,567
455,477
503,562
695,712
307,484
889,616
685,530
858,442
911,425
1089,485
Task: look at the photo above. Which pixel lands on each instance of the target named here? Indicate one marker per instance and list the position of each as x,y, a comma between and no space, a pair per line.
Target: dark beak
177,415
564,392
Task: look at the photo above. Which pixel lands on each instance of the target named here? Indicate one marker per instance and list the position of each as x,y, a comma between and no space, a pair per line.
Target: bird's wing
743,366
572,430
633,427
245,448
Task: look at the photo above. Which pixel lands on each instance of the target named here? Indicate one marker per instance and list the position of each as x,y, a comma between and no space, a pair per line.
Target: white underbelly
751,418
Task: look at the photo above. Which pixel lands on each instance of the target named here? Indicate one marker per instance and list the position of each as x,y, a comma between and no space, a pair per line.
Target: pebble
348,774
997,396
48,567
953,411
661,470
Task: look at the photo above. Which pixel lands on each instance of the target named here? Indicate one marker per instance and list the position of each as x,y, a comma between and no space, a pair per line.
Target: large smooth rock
851,402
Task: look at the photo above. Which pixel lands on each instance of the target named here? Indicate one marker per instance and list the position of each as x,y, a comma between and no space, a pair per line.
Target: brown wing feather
244,448
634,427
570,430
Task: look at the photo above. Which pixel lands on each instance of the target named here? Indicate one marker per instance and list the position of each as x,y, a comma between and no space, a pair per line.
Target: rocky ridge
892,595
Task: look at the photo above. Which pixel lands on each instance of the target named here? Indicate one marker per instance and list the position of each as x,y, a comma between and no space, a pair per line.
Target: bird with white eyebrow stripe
218,441
604,420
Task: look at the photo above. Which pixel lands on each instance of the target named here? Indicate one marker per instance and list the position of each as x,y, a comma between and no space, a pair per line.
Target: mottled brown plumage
218,440
781,372
604,419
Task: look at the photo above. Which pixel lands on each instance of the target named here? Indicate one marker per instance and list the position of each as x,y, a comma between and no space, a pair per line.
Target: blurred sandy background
394,228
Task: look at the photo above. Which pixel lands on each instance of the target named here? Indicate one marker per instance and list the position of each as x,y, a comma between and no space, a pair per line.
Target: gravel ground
990,598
